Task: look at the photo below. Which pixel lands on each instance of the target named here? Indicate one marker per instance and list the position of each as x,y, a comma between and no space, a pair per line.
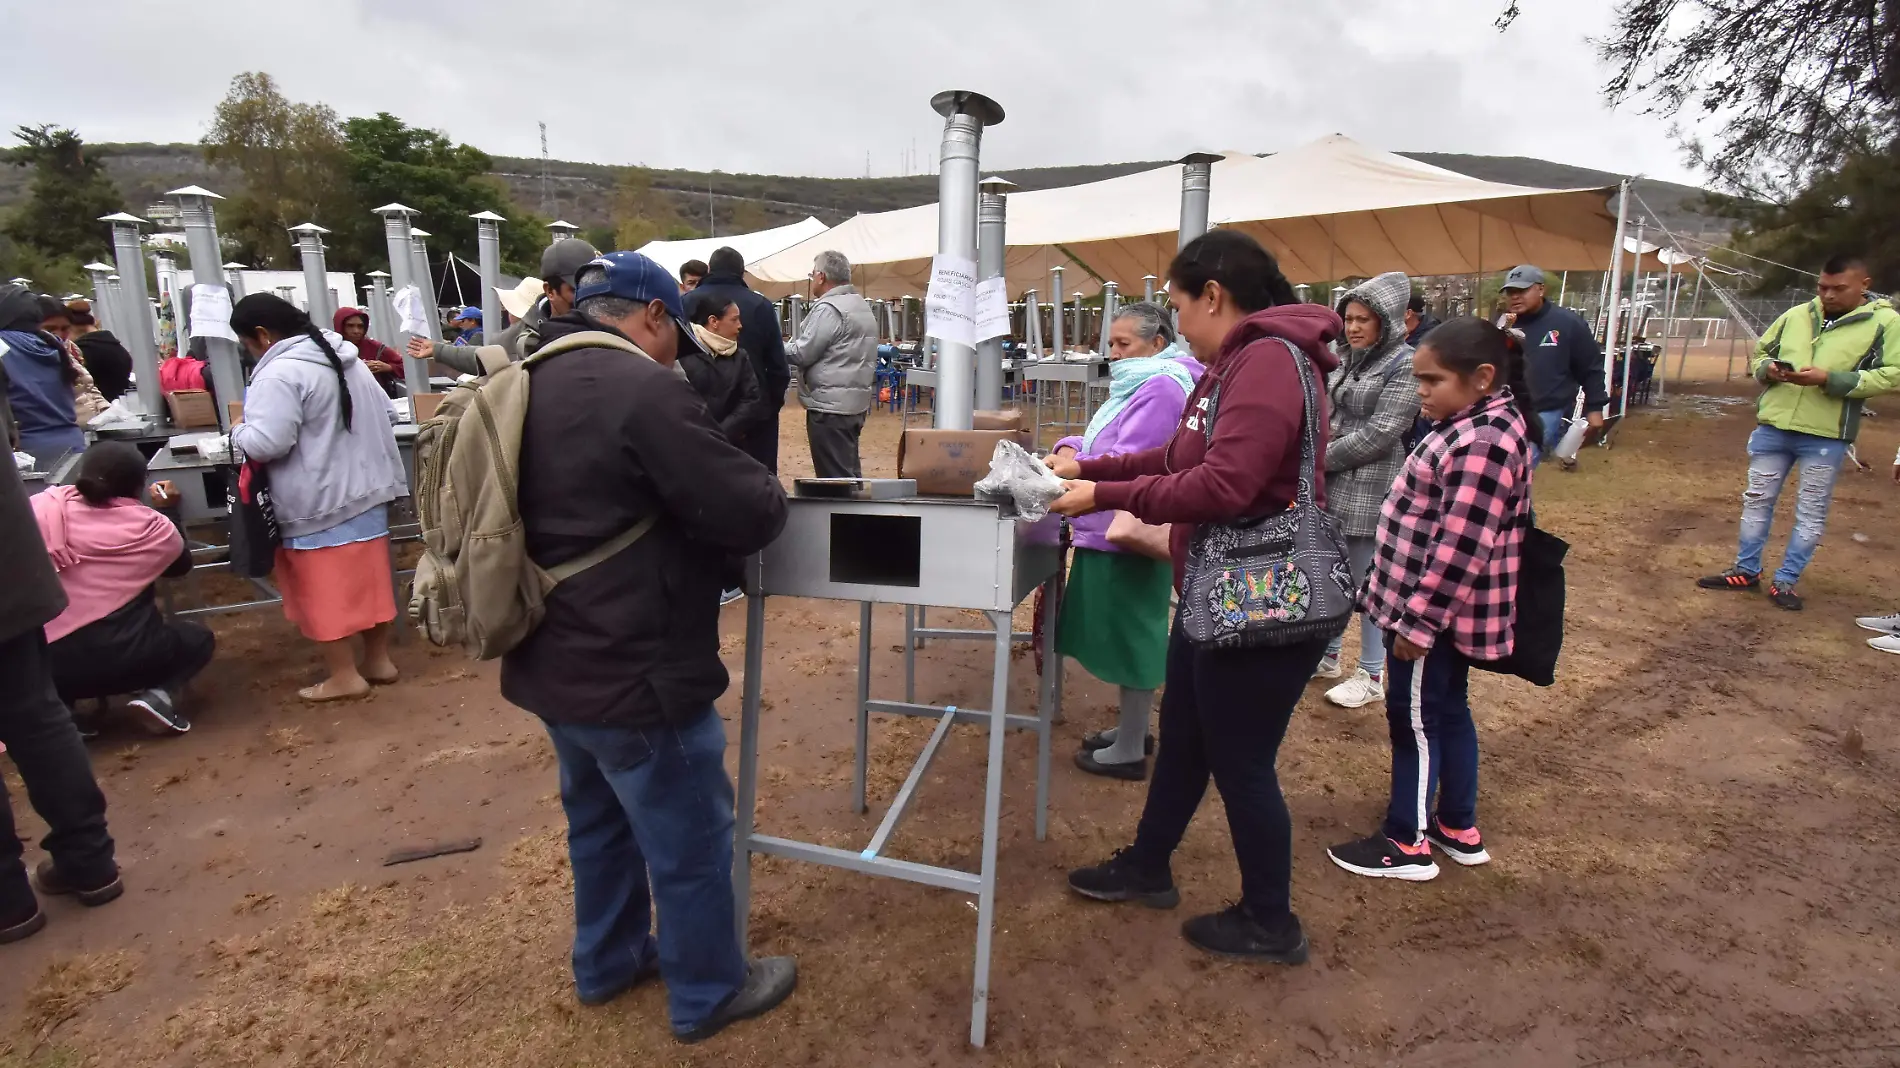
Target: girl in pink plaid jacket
1443,586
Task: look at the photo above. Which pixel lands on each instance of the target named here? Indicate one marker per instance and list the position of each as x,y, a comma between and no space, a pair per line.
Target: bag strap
492,358
586,339
599,553
1309,431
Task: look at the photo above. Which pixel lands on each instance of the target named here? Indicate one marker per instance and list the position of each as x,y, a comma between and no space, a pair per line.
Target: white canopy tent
1330,209
753,246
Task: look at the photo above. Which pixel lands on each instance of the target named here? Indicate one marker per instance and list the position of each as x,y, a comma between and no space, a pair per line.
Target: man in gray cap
1561,356
559,264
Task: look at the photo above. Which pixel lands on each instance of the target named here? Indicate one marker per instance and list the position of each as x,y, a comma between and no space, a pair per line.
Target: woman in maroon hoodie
1225,711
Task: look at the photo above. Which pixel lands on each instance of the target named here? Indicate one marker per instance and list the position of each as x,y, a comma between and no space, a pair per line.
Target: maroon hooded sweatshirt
1252,467
369,348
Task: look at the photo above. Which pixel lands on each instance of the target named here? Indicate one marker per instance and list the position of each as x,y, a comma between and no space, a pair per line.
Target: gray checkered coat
1374,401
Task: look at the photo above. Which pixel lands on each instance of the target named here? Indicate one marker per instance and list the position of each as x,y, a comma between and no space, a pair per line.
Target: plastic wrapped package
1021,477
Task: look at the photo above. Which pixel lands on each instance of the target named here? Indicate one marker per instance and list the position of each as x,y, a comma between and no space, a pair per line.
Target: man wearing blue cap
625,666
1561,356
468,326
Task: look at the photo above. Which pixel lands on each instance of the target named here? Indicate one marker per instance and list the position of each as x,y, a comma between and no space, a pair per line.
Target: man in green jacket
1816,364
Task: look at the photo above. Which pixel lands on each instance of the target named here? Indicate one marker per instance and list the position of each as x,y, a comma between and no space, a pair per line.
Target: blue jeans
652,802
1552,424
1371,638
1434,744
1772,453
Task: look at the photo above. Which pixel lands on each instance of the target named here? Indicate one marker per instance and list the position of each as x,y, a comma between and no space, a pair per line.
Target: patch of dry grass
71,984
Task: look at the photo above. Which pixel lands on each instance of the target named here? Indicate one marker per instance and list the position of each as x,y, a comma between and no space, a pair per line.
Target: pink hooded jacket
105,554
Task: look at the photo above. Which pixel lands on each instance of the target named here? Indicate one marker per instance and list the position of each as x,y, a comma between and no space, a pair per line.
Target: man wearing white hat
530,304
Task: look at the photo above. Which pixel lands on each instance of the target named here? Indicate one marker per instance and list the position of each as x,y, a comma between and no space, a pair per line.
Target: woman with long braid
317,420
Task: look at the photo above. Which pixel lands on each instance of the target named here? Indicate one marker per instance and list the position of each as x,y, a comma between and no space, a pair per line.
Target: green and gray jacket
1860,353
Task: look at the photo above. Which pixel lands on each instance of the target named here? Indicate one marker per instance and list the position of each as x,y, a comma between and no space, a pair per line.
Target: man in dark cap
1561,356
559,264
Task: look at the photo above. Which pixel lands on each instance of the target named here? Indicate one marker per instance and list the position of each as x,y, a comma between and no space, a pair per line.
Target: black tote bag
1539,629
254,536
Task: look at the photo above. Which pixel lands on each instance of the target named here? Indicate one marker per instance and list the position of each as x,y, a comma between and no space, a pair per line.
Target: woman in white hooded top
317,420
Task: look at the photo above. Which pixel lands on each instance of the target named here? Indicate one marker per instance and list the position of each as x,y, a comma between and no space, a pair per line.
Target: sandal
317,695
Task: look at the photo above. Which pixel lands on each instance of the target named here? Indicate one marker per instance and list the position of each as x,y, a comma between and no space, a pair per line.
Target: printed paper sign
950,303
211,312
408,305
992,309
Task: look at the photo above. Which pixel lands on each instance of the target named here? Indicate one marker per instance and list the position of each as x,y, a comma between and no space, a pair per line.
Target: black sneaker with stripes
1732,579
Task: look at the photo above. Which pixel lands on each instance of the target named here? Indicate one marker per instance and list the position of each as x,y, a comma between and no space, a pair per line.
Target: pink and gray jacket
1450,532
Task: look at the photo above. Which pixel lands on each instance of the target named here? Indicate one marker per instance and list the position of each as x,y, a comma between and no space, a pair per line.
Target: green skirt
1115,617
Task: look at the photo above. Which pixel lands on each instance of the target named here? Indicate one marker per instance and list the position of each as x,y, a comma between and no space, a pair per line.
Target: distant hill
583,192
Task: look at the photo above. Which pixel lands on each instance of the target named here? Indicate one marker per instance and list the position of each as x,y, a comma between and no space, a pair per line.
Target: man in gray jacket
836,356
560,262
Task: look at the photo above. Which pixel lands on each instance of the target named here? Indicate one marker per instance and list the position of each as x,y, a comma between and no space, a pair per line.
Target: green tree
58,227
392,162
642,213
294,166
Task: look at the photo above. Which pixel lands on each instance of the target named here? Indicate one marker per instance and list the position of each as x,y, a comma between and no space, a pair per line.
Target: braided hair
281,319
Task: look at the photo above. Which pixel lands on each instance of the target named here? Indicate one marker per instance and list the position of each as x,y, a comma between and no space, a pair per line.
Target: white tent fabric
753,246
1330,209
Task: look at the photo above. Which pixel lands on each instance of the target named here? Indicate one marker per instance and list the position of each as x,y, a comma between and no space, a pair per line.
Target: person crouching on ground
1225,711
1115,612
1373,402
1443,586
624,668
109,548
317,420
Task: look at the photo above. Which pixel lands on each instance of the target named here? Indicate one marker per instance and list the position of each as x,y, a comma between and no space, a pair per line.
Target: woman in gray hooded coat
1373,402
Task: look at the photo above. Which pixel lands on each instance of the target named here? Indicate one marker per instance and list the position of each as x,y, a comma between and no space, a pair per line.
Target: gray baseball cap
565,258
1523,276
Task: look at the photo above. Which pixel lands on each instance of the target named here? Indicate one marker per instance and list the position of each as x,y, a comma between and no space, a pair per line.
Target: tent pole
1615,281
1629,339
1669,320
1563,286
1695,303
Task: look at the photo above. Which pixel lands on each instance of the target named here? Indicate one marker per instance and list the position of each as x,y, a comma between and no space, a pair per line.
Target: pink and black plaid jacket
1450,532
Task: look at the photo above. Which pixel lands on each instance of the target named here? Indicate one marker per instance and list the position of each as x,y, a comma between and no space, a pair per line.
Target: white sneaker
1357,692
1880,624
1328,668
1886,643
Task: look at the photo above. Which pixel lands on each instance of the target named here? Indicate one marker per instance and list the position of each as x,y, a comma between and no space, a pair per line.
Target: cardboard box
191,409
422,406
949,463
234,412
1005,419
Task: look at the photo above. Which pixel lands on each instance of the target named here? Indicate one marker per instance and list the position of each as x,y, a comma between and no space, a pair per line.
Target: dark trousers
762,444
834,444
1434,743
652,805
44,745
1223,715
130,650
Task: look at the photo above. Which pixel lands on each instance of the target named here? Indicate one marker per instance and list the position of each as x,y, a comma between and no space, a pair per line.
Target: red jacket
370,349
1252,467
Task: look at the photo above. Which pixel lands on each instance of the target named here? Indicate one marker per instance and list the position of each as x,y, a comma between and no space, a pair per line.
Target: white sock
1131,733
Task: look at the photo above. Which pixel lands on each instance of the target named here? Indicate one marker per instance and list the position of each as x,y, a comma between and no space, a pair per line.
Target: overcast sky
790,88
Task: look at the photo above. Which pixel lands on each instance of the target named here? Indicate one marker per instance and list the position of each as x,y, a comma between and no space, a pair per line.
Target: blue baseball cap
631,276
471,312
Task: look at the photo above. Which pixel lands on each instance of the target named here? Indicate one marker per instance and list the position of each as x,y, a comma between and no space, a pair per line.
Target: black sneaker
47,880
1131,770
1381,858
649,970
1118,879
768,982
1464,847
1233,934
1784,597
1732,579
1104,739
160,711
17,929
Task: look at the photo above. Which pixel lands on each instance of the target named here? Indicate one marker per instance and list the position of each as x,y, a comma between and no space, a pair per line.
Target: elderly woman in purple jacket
1116,613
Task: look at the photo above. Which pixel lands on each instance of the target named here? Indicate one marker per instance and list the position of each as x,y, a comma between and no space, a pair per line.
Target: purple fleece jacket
1146,422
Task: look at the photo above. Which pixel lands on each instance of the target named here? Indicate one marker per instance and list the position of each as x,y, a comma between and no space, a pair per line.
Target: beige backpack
475,585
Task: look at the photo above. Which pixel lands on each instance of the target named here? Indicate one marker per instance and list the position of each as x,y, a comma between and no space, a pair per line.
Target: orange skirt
333,593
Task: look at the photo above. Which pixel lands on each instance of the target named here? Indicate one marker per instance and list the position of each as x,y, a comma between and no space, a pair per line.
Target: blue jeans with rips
1772,453
652,803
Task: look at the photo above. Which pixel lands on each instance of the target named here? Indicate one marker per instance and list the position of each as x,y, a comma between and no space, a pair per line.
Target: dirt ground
1695,834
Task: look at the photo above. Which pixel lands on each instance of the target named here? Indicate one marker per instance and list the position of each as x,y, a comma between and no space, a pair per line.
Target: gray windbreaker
1374,401
836,354
320,474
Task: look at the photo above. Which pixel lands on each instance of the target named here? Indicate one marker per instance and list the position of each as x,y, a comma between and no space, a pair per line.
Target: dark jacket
730,387
758,332
31,596
39,382
1427,322
610,439
107,361
1561,355
1253,466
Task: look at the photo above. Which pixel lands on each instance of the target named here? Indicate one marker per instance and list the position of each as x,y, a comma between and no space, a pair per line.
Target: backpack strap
601,552
492,358
586,339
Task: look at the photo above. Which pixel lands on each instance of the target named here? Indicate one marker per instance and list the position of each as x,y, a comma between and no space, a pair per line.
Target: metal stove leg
1046,704
864,697
992,809
748,792
910,654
